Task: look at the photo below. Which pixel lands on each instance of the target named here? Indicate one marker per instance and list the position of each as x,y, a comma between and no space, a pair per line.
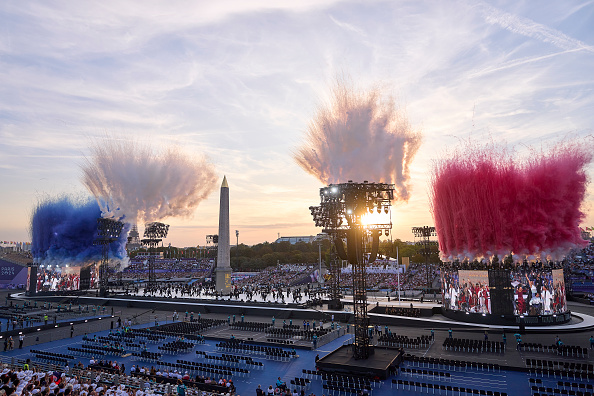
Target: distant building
133,239
294,239
307,239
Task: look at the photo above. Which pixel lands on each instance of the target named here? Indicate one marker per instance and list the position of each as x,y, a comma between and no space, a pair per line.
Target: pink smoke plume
139,183
360,135
485,202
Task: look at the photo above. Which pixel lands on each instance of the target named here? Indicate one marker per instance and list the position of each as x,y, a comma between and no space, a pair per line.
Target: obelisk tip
225,185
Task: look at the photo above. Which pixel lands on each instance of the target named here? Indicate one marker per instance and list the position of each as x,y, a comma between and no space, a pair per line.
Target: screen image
529,291
466,291
539,292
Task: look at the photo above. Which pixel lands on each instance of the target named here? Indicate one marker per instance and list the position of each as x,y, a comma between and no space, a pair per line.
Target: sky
239,81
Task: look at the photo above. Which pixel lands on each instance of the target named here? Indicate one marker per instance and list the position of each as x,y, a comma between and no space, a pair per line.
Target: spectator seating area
271,353
473,346
239,361
400,341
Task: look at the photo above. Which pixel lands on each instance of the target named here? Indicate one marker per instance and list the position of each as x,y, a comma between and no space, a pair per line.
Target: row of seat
333,388
556,364
448,389
401,341
86,352
427,373
574,385
548,391
449,364
558,373
233,360
147,356
54,354
473,346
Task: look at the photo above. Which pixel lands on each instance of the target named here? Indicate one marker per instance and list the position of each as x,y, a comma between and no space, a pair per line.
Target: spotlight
334,189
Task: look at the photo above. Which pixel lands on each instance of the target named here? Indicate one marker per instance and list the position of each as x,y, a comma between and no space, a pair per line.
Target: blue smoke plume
63,230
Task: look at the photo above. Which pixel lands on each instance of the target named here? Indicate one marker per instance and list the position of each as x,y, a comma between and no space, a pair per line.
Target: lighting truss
346,211
153,234
108,230
342,206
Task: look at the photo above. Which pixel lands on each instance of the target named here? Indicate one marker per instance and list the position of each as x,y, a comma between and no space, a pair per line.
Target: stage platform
579,322
341,361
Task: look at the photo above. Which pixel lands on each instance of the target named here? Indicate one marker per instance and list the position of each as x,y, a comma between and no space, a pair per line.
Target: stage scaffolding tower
108,230
335,295
153,234
424,234
359,213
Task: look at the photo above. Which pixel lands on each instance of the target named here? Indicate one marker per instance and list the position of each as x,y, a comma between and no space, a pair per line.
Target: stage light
334,189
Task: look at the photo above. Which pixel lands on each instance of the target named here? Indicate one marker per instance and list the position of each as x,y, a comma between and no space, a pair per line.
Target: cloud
530,28
239,81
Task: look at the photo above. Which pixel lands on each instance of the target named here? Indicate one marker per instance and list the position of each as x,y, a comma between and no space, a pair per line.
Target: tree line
266,254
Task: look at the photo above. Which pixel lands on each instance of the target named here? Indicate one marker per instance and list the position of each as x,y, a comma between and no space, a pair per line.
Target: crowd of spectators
415,277
279,276
101,379
169,268
580,266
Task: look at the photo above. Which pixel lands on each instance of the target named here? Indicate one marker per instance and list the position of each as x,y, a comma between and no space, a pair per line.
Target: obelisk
223,270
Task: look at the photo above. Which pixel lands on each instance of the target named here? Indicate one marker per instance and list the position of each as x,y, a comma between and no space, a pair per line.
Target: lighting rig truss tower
153,234
335,296
108,230
424,234
357,212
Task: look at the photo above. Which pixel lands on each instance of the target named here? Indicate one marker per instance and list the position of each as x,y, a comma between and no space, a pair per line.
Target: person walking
450,333
45,318
72,330
21,339
592,342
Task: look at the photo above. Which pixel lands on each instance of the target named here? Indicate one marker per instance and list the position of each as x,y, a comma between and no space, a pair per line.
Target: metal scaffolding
347,211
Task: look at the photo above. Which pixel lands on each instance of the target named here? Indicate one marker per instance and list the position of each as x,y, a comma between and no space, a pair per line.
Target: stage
579,321
379,363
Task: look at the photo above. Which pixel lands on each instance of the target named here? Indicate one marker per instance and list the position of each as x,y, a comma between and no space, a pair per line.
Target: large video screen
531,292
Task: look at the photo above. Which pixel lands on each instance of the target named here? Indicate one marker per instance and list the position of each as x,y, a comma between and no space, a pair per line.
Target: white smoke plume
132,180
360,135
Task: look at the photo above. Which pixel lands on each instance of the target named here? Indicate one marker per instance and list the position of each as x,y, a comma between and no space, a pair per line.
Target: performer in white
453,297
547,297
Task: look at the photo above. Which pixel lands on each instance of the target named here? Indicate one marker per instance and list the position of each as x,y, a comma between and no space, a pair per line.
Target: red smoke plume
485,202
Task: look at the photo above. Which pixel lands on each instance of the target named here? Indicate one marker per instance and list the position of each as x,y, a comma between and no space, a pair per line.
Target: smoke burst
360,135
485,201
133,181
63,230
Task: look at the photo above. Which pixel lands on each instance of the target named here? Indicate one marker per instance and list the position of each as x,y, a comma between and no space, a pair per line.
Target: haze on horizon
239,81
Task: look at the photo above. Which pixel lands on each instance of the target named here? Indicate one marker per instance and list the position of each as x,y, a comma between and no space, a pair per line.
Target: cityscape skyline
240,81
